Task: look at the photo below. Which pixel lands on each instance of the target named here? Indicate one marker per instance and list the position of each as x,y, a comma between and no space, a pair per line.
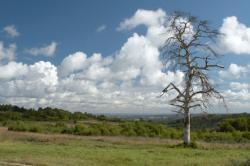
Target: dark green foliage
192,145
140,128
202,121
127,129
226,127
241,163
9,112
80,129
246,135
239,124
52,120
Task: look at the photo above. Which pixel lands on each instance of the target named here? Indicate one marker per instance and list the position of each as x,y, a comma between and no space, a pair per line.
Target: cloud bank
128,81
235,36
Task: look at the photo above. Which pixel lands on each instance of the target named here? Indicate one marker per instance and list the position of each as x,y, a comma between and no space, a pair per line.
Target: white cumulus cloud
127,81
7,53
72,63
234,71
235,36
239,86
144,17
11,31
13,70
47,50
30,81
130,79
155,21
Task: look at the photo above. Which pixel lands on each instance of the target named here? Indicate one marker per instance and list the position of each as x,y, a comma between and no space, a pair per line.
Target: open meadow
124,83
25,148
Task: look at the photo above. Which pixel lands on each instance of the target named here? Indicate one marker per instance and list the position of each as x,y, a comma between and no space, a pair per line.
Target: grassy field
20,148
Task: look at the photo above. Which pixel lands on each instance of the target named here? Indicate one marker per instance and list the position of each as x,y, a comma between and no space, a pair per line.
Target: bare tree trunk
186,136
195,65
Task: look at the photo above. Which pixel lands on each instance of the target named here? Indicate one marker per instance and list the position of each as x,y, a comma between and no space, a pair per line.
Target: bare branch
180,50
171,86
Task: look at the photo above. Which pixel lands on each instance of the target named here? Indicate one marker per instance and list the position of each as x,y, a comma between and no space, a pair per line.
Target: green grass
42,149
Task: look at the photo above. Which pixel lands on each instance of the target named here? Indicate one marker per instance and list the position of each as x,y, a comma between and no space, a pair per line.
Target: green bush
129,128
18,126
241,163
79,129
239,124
226,127
35,129
246,135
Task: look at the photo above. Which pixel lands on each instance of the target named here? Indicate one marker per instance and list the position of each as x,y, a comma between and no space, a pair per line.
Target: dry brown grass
13,135
5,134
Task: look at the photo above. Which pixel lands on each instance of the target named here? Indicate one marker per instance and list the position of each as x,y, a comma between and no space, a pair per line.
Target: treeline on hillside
236,124
210,121
9,112
236,128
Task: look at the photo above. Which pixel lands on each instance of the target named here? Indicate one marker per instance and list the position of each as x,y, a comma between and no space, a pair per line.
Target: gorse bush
241,163
237,124
123,128
139,128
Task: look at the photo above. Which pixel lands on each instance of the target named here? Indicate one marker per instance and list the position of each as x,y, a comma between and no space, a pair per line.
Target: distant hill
202,121
198,121
10,112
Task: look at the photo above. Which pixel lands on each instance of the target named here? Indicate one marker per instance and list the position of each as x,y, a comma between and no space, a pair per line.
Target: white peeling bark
186,135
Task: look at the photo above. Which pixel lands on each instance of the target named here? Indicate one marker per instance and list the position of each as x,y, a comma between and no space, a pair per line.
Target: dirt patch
3,163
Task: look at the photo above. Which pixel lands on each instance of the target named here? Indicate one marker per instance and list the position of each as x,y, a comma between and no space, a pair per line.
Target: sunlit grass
42,149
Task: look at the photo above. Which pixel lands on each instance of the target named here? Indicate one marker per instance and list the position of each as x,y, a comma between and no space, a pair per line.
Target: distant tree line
210,121
228,128
10,112
236,124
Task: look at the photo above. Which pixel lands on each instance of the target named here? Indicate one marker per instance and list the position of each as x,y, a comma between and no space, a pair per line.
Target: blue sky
73,27
73,24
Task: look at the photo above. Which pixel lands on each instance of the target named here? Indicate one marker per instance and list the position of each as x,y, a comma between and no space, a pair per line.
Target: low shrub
241,163
129,128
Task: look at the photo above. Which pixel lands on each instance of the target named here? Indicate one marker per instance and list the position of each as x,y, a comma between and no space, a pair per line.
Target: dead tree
188,50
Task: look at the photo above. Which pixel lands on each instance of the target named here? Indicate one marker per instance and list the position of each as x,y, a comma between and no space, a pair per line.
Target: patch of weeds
240,162
36,140
14,162
192,145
